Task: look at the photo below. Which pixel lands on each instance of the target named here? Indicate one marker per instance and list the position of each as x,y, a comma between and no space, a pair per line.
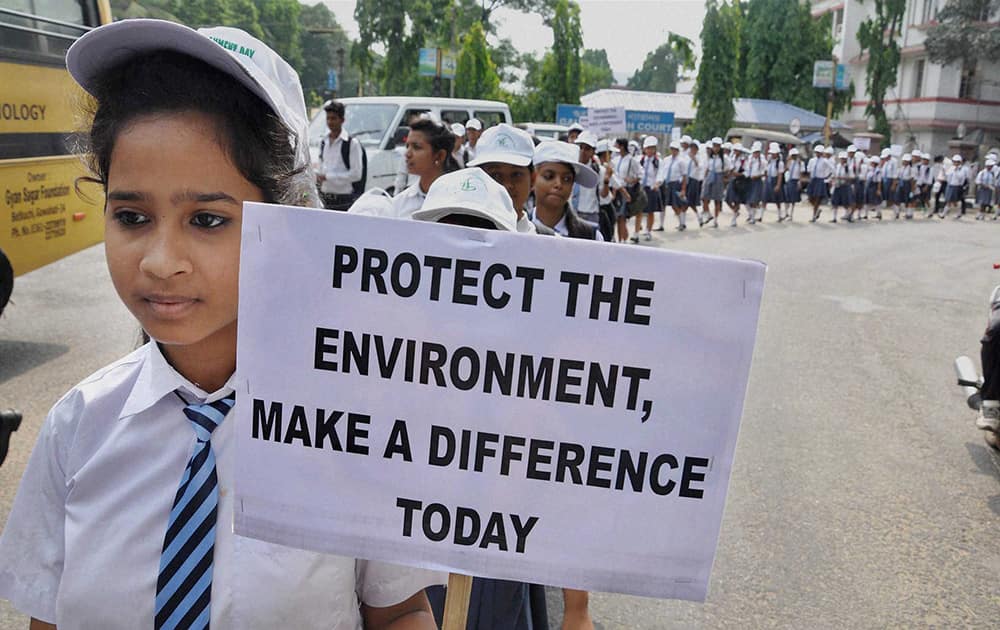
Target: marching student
855,160
842,185
890,180
628,171
695,176
957,180
649,165
775,178
873,183
740,182
907,181
925,180
505,153
574,132
942,168
458,151
792,192
586,201
473,130
715,171
985,185
429,147
124,516
611,190
557,168
755,173
673,175
820,170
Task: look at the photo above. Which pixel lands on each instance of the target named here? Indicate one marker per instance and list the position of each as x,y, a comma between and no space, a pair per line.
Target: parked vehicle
380,124
544,131
971,380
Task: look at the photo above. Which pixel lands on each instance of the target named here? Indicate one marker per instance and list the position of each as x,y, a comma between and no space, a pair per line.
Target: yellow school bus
43,219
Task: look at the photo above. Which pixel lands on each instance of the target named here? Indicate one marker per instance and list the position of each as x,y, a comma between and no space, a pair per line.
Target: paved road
862,495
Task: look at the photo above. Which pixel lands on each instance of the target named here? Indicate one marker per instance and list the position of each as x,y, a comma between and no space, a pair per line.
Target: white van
379,123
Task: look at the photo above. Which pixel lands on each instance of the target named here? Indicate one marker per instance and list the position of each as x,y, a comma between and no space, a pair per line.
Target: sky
626,29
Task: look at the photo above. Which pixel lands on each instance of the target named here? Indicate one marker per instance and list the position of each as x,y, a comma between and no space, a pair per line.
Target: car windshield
367,122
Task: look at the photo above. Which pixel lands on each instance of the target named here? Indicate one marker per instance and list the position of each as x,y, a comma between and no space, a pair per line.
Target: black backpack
357,187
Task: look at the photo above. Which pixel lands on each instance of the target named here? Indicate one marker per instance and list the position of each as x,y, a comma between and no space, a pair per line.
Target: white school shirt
82,545
405,203
614,183
822,168
627,167
890,170
775,168
338,177
673,169
984,178
561,229
794,170
649,170
696,167
714,164
958,176
755,167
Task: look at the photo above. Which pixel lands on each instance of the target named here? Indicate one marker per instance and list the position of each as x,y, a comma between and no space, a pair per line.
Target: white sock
683,217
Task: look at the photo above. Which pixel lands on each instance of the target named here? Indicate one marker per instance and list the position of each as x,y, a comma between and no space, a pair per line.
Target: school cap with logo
588,138
650,141
506,144
603,146
230,50
556,151
473,123
472,192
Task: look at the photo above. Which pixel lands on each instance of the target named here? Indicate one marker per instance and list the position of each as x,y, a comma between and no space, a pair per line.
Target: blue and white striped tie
184,586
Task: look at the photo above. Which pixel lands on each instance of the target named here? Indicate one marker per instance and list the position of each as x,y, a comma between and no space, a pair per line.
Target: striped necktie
184,585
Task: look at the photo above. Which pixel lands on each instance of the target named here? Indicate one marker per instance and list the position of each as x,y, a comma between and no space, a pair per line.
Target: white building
929,101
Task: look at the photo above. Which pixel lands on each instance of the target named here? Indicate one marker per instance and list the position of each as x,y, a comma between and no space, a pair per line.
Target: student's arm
576,613
40,625
411,614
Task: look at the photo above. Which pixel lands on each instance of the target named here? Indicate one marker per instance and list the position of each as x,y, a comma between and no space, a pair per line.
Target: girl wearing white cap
557,168
755,169
872,175
841,196
739,185
124,517
695,176
775,178
715,171
792,191
890,180
957,180
985,185
907,177
820,170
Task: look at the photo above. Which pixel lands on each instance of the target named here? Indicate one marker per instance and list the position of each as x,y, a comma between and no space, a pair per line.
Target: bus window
41,31
490,118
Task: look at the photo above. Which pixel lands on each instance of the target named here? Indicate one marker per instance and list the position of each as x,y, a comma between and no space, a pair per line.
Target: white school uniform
408,201
338,178
958,176
672,169
82,545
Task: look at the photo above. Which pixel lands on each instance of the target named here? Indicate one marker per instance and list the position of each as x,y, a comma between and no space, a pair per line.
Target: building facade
930,102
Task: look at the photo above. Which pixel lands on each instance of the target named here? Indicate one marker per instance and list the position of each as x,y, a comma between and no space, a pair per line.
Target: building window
966,88
838,24
918,78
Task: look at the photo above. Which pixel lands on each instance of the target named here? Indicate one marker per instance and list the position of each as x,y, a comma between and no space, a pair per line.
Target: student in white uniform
842,184
957,179
124,515
649,165
793,174
673,178
473,130
819,181
774,180
428,156
755,170
985,185
714,189
610,190
458,149
890,180
557,167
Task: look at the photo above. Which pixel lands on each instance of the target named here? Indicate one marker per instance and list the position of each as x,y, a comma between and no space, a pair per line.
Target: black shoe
658,229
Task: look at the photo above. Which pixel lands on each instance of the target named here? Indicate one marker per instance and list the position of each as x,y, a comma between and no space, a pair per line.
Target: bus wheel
6,280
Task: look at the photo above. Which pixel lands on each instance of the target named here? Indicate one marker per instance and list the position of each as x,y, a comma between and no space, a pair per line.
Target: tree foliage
878,35
714,88
595,71
476,76
567,39
322,36
963,33
659,72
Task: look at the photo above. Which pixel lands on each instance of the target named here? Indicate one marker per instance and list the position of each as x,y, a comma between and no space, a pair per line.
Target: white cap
991,162
556,151
506,144
633,143
675,144
886,152
739,147
842,155
956,158
374,202
469,191
907,157
727,145
793,151
773,148
696,144
575,127
829,150
874,159
474,123
458,129
685,139
717,140
650,141
230,50
603,146
588,138
755,147
819,148
851,148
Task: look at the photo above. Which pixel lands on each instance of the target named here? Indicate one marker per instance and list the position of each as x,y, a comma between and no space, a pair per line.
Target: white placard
863,143
465,400
604,121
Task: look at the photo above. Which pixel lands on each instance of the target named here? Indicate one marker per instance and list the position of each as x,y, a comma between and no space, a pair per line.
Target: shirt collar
157,379
343,136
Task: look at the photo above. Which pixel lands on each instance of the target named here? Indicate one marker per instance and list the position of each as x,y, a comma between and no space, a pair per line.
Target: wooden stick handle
456,601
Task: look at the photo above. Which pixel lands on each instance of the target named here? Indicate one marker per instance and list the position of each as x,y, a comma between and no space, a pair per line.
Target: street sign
841,81
331,80
823,74
436,62
636,121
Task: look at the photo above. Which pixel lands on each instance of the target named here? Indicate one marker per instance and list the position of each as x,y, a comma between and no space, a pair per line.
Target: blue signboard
840,82
331,80
635,121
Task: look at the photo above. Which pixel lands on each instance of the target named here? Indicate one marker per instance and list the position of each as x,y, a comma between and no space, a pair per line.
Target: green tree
963,33
563,74
714,88
659,71
280,21
595,71
322,37
878,35
476,76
